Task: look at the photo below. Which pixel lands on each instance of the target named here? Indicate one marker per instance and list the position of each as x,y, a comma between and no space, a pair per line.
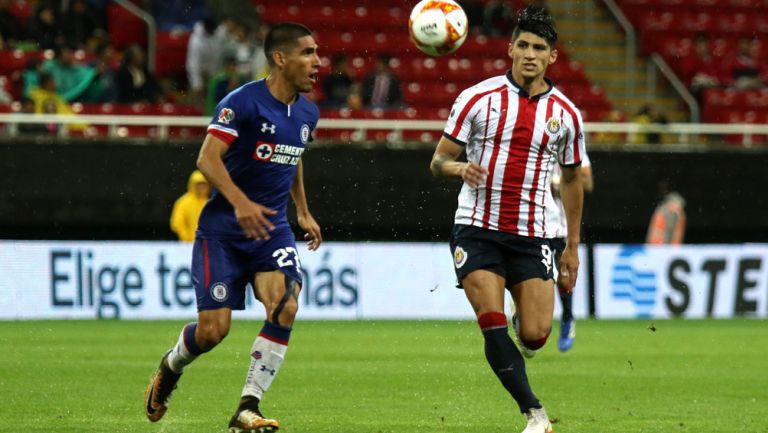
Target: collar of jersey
522,91
278,103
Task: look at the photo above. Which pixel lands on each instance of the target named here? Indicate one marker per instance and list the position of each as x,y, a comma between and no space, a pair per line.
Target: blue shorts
221,268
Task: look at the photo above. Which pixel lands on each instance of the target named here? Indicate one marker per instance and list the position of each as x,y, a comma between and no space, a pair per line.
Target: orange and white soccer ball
438,27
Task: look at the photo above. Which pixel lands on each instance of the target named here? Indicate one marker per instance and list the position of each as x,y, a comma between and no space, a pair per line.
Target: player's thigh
219,274
535,302
530,278
485,291
277,273
271,287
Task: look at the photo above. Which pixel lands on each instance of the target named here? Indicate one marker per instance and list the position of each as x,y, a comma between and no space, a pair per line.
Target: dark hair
536,20
282,36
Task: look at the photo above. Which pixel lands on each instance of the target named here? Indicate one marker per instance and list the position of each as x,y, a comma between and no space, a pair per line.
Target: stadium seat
125,28
171,54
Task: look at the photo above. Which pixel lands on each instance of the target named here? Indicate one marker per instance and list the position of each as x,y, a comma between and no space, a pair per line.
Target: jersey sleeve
458,128
228,117
573,150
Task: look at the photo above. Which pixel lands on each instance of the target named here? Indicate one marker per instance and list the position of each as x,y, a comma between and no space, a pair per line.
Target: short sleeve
458,128
228,116
573,150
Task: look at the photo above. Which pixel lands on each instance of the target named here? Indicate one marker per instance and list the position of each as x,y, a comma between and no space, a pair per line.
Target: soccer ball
438,27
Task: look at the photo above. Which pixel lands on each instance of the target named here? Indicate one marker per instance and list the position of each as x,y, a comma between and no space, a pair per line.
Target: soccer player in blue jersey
252,157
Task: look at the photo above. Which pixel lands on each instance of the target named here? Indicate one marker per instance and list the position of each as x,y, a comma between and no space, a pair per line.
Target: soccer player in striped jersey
252,156
556,216
514,128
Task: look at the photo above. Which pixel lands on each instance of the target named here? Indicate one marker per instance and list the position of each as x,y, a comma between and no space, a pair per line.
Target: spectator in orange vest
668,221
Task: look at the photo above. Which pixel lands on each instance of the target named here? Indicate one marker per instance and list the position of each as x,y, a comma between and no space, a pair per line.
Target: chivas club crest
459,257
553,125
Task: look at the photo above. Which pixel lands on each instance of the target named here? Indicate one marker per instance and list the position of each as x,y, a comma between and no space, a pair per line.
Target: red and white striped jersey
555,216
518,139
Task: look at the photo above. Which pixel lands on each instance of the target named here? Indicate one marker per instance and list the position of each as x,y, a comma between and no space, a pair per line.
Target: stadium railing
118,127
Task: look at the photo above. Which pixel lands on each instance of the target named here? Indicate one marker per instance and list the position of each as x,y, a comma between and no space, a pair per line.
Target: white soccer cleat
528,353
538,421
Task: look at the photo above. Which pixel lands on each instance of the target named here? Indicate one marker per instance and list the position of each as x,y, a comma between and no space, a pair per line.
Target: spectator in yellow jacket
186,210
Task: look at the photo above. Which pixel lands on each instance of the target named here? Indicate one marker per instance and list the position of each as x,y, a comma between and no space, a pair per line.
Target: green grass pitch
391,377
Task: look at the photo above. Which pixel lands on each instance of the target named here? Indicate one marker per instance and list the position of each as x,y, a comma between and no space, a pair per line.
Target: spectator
172,15
187,208
228,80
5,97
475,11
243,9
104,87
337,86
647,115
743,69
48,101
701,68
668,220
242,45
203,56
499,18
72,79
381,87
28,107
10,29
31,76
613,116
133,80
81,24
260,66
46,27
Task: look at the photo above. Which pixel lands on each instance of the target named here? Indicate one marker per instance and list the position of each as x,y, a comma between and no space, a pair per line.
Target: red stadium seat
171,54
698,22
124,27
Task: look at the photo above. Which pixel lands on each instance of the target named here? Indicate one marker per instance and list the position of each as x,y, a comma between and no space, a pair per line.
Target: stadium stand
361,32
671,27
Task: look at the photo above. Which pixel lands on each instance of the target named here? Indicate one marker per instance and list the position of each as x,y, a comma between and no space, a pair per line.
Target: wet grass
399,377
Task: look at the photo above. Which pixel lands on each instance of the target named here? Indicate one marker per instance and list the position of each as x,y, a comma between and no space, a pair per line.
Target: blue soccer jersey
266,140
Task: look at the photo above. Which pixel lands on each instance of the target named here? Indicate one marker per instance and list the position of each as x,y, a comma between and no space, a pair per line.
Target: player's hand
569,267
313,235
253,218
473,174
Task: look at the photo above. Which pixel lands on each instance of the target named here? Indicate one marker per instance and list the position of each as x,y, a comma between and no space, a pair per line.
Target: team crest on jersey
226,115
459,257
304,133
220,292
553,125
264,151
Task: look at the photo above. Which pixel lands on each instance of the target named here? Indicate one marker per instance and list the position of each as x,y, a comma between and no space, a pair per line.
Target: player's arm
572,195
444,164
253,217
306,220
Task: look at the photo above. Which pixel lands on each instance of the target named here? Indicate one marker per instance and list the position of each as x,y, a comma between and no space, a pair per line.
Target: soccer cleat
159,391
538,421
248,419
567,335
528,353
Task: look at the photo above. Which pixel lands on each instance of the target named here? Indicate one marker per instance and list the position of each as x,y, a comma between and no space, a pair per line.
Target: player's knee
283,312
210,336
535,339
